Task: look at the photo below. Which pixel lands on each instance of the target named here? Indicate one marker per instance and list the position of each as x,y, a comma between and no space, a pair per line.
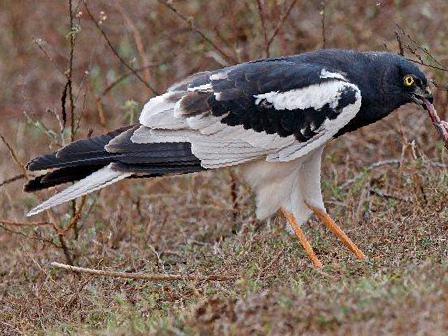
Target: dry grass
397,214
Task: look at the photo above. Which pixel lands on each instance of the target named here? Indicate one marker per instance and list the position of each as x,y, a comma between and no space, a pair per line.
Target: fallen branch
142,276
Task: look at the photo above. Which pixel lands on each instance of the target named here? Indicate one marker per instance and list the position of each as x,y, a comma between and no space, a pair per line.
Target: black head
387,81
403,82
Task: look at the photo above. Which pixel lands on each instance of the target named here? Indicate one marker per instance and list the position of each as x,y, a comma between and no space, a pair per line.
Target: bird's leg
302,238
337,231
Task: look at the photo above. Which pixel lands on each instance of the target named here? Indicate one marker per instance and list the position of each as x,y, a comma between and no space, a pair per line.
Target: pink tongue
440,125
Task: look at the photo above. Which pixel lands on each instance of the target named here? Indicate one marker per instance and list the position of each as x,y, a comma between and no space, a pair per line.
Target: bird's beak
422,97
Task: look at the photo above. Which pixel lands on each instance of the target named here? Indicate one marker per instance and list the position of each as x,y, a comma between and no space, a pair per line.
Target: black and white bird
272,117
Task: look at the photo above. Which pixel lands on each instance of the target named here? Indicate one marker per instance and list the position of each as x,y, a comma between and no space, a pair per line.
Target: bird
270,117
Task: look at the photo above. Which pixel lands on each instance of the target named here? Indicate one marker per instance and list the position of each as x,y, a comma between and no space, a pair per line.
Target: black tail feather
83,157
60,176
79,153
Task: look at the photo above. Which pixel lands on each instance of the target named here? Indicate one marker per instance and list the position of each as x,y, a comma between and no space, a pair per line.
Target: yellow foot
333,227
299,233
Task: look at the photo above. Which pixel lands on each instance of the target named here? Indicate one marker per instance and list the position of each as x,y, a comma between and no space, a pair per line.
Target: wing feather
276,110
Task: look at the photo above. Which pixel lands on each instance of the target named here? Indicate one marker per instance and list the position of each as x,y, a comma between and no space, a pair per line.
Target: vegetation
69,74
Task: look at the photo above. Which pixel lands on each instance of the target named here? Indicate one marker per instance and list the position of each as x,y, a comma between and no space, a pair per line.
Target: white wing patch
158,112
328,129
202,88
219,75
313,96
327,74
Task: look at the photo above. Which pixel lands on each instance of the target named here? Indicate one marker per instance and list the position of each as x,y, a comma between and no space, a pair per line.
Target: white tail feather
99,179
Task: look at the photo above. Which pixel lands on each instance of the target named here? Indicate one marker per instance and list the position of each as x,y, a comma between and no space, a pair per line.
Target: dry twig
14,156
68,88
12,179
14,223
280,23
323,9
142,276
43,240
99,102
193,27
381,164
263,26
138,42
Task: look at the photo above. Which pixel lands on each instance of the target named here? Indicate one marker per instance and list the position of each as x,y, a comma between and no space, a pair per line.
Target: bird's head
387,81
405,83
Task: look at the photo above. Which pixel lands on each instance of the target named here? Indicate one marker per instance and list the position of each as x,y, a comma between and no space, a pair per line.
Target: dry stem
115,52
190,22
143,276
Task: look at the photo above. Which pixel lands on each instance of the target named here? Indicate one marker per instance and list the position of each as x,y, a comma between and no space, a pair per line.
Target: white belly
286,184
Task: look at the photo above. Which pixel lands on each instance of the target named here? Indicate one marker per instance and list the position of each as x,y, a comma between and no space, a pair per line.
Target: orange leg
333,227
299,233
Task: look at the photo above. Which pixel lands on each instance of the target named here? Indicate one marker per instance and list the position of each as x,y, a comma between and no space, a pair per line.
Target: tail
99,179
90,162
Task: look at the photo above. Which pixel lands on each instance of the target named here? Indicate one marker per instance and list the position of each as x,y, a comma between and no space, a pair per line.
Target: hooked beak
422,97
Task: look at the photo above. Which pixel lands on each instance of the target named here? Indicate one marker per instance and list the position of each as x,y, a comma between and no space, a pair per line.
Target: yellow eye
408,80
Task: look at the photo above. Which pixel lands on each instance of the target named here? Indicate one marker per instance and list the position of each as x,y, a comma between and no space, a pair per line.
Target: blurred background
71,69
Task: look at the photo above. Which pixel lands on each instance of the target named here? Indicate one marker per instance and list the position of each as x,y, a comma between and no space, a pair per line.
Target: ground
386,185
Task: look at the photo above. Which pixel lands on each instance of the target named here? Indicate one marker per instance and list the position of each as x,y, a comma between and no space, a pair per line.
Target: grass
397,214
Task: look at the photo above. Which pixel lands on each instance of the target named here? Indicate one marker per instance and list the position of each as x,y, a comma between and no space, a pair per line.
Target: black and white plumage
272,117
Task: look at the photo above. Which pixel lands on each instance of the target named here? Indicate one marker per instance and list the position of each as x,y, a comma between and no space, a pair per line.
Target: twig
99,102
417,46
400,43
138,41
190,22
40,44
385,163
372,166
14,156
75,219
142,276
64,247
280,23
12,179
14,223
115,52
427,65
234,194
381,194
323,5
70,71
263,26
414,47
123,77
48,241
